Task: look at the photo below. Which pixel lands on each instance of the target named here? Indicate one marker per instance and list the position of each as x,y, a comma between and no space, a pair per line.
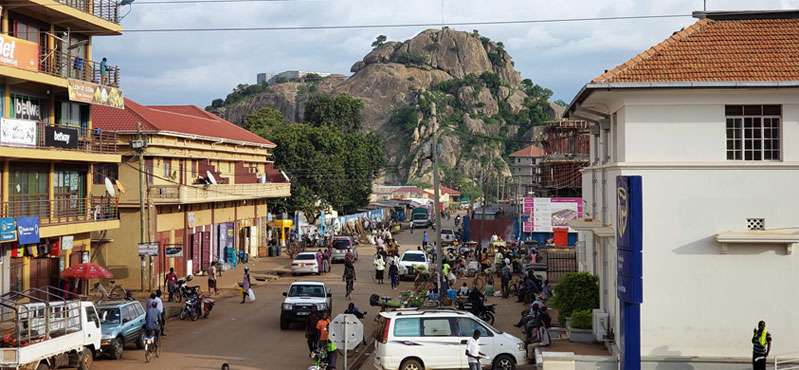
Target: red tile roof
450,191
725,49
530,151
182,119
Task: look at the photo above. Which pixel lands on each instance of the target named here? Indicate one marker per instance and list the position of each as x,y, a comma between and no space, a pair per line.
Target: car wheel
42,366
284,325
182,315
504,362
117,347
140,341
411,364
85,359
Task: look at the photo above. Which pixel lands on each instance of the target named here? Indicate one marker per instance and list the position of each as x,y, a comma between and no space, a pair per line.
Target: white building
525,170
710,119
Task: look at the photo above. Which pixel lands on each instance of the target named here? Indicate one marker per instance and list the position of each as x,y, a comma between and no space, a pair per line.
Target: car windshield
341,243
413,257
445,231
307,291
109,315
420,216
305,256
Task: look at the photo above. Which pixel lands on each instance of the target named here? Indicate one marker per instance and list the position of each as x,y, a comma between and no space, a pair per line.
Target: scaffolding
567,145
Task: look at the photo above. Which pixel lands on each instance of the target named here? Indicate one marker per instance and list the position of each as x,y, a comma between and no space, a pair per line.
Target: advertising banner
92,93
17,132
19,53
61,137
26,107
66,242
547,213
8,229
148,249
28,230
175,250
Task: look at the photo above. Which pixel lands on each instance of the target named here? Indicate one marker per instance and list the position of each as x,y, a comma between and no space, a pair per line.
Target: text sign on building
19,53
175,250
61,137
25,107
28,230
17,132
546,213
92,93
629,238
8,229
148,249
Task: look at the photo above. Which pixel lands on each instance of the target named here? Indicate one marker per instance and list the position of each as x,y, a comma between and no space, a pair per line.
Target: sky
196,67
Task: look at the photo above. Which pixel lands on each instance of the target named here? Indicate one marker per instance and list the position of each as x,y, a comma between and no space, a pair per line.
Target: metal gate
559,262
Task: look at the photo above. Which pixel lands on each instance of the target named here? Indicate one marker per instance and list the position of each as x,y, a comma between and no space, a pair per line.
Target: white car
447,236
410,261
436,339
303,297
305,263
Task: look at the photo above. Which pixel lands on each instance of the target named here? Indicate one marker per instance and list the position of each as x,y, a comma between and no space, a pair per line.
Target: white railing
786,362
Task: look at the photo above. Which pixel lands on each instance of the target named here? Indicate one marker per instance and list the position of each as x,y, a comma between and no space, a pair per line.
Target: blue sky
195,67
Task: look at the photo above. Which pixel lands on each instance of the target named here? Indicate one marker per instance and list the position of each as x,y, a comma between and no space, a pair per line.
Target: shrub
581,319
576,291
411,59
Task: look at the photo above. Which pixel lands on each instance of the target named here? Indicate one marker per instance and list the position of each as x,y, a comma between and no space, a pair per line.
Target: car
305,263
447,236
122,323
342,245
438,338
410,261
301,298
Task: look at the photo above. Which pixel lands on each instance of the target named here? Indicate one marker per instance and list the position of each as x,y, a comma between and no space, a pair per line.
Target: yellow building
207,184
50,216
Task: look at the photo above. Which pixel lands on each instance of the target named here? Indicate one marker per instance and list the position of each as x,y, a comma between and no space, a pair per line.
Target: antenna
704,3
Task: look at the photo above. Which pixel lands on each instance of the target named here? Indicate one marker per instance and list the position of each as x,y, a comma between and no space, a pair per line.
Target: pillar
51,190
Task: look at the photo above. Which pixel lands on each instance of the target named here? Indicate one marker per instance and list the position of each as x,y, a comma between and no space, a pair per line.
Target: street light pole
140,153
436,203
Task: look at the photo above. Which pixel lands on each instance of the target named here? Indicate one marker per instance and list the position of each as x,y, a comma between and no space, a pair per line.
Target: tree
217,103
562,103
340,111
379,41
264,121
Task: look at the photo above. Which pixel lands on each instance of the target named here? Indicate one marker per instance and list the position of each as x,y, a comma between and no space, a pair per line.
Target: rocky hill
485,108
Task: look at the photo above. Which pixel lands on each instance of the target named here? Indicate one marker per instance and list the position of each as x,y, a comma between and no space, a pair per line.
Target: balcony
41,135
174,194
63,65
63,210
105,9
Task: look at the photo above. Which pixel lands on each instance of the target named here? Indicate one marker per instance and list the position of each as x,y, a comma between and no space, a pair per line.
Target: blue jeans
474,366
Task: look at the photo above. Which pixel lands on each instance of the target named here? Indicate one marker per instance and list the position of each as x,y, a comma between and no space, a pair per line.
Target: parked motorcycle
207,305
486,314
181,288
191,306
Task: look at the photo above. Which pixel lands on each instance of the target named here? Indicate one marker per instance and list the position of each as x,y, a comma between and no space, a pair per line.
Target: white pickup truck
46,329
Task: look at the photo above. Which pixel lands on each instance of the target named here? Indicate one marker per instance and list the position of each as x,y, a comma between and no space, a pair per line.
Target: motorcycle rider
349,277
476,298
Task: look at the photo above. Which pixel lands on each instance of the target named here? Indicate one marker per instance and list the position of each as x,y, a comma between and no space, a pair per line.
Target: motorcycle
207,305
191,307
180,288
486,314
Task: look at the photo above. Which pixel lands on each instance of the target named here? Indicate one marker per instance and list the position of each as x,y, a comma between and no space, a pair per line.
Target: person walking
380,267
393,273
322,327
311,333
473,353
171,280
425,239
761,346
212,280
349,277
505,276
161,312
245,284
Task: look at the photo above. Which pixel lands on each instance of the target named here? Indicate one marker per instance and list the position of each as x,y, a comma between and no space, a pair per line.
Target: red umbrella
87,271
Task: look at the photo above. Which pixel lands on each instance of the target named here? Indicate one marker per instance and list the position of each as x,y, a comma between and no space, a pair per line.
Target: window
72,115
466,328
753,132
436,327
28,189
167,168
91,316
407,328
103,170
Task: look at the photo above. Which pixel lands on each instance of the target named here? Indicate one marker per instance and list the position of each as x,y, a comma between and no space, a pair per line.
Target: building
709,118
208,184
566,145
271,78
524,169
50,216
391,192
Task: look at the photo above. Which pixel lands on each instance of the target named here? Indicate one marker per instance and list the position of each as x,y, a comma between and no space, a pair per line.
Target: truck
420,218
47,328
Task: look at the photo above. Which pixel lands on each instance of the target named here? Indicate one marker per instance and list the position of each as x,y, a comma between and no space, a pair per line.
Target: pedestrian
393,273
319,257
463,291
473,353
160,305
332,355
311,333
326,259
425,239
411,227
104,71
349,277
245,284
380,267
322,327
505,276
761,346
171,280
212,280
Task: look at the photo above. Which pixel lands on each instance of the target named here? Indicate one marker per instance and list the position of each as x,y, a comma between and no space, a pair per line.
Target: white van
436,339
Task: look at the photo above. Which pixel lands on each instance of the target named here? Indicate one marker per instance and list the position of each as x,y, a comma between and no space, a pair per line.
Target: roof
307,283
530,151
425,312
723,46
177,119
449,191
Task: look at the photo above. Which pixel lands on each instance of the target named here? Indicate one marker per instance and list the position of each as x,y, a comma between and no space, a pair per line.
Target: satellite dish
109,187
119,186
211,178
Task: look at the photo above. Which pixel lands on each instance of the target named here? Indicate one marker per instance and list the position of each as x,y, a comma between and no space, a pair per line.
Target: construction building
51,216
206,186
566,145
524,167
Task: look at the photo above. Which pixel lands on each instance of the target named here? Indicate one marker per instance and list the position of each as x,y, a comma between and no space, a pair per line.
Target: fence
787,362
559,262
105,9
64,65
63,210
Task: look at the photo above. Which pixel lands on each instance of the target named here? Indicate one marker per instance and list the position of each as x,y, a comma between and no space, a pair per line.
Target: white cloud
195,67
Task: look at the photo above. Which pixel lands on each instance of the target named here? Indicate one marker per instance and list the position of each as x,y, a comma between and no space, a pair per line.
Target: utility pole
436,204
140,153
483,207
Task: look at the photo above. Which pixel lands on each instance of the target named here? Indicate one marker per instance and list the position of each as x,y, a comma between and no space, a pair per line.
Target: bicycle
152,346
99,292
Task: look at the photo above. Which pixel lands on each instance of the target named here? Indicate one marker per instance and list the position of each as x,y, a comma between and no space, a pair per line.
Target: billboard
17,132
546,213
19,53
92,93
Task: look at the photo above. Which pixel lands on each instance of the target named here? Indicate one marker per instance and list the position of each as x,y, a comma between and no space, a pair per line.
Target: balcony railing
94,141
63,210
105,9
216,193
64,65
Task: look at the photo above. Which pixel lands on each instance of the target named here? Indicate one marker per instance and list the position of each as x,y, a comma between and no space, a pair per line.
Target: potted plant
580,326
575,296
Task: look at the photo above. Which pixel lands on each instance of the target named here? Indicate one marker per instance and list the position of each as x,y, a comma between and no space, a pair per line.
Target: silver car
341,246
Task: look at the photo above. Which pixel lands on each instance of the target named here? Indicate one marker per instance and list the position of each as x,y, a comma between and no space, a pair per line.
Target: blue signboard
629,281
8,229
28,229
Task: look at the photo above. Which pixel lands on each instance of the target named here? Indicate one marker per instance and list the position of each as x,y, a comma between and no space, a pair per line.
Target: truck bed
19,356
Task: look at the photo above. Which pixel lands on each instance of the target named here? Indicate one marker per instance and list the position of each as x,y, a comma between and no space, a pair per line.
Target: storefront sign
61,137
28,229
92,93
25,107
629,279
19,53
66,242
148,249
8,229
17,132
173,250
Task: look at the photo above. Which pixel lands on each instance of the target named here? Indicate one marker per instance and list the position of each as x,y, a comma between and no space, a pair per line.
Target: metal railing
95,141
786,362
64,65
105,9
198,193
63,210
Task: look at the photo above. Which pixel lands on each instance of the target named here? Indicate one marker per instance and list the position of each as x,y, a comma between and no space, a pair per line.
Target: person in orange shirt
322,328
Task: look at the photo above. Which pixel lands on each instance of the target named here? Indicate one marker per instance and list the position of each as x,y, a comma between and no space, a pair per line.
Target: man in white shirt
160,306
473,353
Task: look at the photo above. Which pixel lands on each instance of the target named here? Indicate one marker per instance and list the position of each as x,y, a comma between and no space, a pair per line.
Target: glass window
753,132
72,114
467,326
91,316
28,190
110,315
103,170
408,327
436,327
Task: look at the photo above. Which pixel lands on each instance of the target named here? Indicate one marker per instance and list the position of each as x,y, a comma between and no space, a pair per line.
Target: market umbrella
86,271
